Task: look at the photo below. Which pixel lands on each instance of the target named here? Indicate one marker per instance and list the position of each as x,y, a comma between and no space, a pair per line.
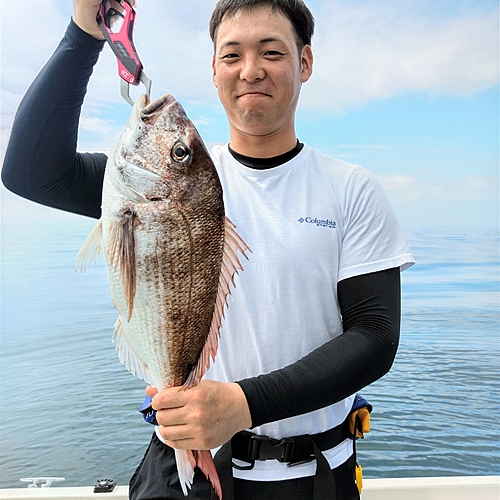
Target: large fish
170,254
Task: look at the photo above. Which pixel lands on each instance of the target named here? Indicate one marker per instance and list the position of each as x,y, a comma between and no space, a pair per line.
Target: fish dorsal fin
127,356
91,248
121,253
229,267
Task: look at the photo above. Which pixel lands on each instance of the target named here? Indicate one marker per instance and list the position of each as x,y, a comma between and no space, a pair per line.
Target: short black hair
295,10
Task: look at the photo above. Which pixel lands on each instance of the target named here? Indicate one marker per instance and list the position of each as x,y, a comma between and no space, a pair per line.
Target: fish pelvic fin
91,248
127,356
187,460
233,245
122,253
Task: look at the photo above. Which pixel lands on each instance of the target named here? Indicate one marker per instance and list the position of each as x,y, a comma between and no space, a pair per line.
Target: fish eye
180,152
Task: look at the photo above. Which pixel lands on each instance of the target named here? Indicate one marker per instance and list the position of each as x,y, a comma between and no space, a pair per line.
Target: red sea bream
170,254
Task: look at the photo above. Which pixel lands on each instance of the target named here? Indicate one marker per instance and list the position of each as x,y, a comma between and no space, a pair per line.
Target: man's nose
251,69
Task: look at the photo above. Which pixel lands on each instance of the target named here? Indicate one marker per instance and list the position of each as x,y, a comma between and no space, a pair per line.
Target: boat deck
423,488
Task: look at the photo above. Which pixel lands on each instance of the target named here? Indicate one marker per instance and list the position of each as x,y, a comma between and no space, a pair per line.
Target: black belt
248,447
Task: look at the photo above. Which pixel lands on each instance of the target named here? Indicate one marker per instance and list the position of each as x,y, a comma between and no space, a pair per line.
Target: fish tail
187,460
185,468
205,462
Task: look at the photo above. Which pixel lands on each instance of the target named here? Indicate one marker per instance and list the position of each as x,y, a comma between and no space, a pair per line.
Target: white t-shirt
310,223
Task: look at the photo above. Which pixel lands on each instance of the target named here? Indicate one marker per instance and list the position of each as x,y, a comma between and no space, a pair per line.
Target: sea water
70,409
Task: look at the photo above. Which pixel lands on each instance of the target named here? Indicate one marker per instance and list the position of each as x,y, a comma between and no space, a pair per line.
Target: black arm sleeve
371,309
41,162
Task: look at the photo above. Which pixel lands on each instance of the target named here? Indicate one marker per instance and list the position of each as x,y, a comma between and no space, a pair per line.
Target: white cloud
364,50
26,43
200,120
404,189
400,188
373,51
97,125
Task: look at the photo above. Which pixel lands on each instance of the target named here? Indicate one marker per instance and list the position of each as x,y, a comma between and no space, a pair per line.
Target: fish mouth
153,109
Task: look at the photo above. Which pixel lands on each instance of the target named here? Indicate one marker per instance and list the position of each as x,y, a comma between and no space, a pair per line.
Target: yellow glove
359,422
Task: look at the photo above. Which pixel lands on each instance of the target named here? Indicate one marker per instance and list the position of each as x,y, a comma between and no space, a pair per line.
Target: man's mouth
254,94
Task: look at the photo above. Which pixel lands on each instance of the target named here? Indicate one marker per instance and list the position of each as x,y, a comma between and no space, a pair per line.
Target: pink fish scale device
118,28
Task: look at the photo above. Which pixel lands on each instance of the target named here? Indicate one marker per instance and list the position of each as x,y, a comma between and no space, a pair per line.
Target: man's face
258,72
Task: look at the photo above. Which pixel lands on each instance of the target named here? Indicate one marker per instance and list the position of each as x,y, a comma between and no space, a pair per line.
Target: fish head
160,155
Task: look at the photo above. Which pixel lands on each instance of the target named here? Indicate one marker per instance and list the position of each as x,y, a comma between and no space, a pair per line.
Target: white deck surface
426,488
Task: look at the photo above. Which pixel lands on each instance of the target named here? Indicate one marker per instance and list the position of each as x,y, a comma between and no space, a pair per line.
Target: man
315,316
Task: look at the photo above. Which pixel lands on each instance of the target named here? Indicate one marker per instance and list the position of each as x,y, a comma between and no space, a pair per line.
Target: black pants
156,479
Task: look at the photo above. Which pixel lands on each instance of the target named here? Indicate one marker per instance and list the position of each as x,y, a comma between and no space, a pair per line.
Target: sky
407,89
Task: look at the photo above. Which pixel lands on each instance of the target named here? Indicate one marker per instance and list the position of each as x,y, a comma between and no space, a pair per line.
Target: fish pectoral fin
127,356
122,253
91,248
233,244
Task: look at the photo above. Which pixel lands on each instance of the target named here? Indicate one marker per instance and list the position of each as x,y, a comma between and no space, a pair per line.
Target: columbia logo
319,222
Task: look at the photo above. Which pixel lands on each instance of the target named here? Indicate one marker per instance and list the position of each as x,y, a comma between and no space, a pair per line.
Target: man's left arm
370,305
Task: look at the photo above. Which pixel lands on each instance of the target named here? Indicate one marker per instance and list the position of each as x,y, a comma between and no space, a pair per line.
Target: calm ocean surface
69,408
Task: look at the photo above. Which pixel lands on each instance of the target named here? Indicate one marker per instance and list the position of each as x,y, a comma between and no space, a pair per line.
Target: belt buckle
266,448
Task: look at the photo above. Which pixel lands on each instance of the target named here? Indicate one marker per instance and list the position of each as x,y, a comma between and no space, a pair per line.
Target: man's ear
306,61
214,71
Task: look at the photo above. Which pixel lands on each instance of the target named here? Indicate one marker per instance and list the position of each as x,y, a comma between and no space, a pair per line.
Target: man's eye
230,56
273,53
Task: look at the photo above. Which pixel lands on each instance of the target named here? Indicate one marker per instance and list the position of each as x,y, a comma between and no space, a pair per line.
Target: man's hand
203,417
85,15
